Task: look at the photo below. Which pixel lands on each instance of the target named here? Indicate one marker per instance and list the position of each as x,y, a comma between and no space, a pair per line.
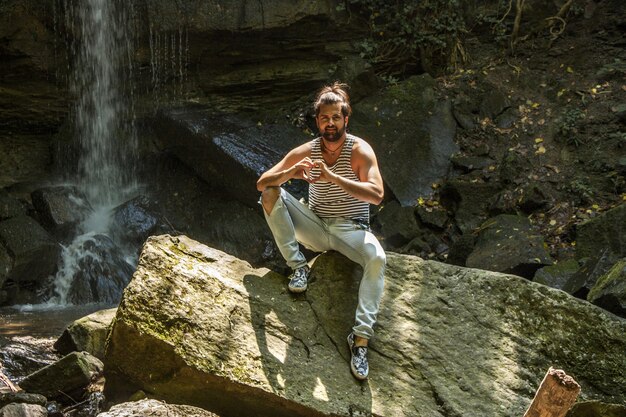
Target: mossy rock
610,290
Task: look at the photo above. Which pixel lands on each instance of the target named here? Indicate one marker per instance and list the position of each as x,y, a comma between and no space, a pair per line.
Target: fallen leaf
570,70
552,222
541,150
538,140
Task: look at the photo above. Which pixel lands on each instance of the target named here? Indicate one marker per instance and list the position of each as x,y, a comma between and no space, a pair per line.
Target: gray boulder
591,270
610,290
22,398
412,134
69,376
227,151
199,327
87,334
154,408
35,253
60,208
596,409
469,201
557,275
607,231
6,264
494,103
508,244
9,206
135,220
436,216
398,225
23,410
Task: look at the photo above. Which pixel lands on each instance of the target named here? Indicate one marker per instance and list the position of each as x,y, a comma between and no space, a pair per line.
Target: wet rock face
228,151
24,355
99,272
60,209
135,220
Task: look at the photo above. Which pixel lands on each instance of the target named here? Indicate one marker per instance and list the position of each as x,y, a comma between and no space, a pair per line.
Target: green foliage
581,188
615,69
409,35
568,125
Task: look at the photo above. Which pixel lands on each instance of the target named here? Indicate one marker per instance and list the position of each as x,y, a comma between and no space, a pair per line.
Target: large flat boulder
197,326
154,408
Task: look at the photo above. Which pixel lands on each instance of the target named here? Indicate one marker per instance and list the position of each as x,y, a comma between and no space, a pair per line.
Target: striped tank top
329,200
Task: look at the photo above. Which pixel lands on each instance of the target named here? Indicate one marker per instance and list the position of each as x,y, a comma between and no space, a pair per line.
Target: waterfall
102,82
100,57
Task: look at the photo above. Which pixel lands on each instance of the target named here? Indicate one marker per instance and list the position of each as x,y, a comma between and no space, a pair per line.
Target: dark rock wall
234,55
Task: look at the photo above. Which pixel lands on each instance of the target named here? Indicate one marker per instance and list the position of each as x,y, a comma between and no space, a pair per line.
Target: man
344,180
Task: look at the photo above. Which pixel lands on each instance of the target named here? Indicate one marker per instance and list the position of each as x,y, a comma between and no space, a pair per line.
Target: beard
333,135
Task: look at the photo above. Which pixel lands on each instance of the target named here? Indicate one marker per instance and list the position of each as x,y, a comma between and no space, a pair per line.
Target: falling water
99,51
169,53
102,81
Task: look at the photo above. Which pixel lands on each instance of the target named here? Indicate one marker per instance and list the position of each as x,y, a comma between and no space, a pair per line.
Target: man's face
331,122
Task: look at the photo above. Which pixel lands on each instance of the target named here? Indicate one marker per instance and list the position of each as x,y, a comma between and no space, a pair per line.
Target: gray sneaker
358,360
298,280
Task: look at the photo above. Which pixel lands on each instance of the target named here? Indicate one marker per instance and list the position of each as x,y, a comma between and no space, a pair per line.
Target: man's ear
346,122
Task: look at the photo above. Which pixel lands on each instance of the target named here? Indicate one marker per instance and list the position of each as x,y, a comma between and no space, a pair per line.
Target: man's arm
295,165
364,163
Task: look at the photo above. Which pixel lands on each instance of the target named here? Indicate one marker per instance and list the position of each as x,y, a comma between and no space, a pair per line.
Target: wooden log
4,380
555,396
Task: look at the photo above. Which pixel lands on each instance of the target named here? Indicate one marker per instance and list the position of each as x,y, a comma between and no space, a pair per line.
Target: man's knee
269,197
376,258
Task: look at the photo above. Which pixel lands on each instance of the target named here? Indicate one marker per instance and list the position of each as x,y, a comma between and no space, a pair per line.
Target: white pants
292,221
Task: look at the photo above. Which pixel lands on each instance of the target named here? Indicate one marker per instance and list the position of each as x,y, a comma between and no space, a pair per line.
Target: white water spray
100,52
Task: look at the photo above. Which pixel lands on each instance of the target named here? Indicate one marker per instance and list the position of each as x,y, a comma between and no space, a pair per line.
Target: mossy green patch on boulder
610,290
69,376
607,231
87,334
557,275
596,409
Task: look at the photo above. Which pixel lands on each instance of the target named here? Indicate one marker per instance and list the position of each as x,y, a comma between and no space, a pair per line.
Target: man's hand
325,175
302,170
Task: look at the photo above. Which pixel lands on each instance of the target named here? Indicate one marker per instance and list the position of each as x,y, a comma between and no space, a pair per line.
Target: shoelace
360,355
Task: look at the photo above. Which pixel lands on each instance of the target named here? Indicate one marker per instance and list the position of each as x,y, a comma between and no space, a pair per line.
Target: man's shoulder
304,148
360,145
